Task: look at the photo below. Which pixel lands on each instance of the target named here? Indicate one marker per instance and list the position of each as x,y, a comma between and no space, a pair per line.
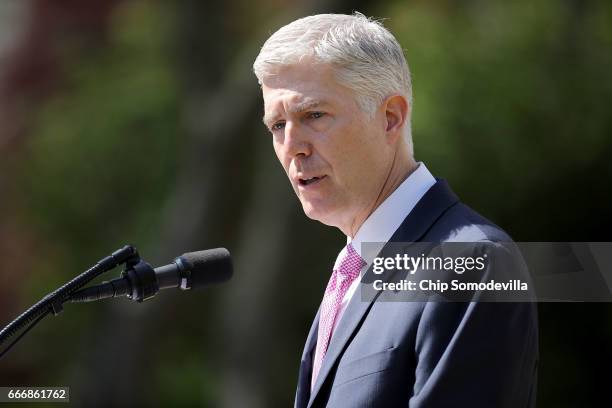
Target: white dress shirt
383,222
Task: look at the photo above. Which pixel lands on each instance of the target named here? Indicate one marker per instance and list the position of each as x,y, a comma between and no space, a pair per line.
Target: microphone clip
141,278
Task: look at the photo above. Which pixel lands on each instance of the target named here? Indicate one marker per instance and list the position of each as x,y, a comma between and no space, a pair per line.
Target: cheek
278,150
359,160
280,155
352,150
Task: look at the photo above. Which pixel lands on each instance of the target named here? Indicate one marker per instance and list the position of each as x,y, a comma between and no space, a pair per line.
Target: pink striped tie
340,281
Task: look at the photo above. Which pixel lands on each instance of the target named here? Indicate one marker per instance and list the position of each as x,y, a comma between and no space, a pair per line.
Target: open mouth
309,181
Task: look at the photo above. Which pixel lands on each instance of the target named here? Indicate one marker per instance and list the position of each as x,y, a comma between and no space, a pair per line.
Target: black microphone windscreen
208,267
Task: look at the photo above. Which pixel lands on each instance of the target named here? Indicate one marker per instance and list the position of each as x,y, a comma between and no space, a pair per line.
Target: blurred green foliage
100,163
103,152
511,105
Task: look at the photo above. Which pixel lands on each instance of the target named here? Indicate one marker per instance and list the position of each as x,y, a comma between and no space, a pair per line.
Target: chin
310,211
318,213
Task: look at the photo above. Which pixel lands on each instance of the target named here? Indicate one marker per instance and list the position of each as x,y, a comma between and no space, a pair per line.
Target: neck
402,166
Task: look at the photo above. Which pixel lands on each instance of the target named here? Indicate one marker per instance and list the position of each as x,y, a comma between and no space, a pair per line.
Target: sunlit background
140,122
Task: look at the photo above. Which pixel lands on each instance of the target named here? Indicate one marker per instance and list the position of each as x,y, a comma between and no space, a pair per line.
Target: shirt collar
386,219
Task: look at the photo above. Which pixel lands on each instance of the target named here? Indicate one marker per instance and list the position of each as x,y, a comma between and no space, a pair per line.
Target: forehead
302,85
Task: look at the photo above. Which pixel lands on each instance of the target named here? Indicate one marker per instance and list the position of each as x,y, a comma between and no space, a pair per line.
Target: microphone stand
53,302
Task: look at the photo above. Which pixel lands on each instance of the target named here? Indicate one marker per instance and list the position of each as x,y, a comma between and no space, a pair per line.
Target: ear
396,113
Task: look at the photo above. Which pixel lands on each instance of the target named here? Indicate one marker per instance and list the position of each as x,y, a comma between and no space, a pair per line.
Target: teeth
308,181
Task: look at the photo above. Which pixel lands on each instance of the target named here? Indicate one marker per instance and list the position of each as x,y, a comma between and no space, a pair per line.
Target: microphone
140,281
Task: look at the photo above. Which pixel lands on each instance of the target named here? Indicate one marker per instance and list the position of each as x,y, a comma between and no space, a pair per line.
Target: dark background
140,121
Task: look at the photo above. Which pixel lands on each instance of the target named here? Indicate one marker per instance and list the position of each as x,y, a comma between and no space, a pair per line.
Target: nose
296,140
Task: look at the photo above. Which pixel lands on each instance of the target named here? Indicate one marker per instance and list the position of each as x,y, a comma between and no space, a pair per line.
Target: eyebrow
300,107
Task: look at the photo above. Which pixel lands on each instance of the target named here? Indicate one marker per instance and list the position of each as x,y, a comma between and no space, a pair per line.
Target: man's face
336,157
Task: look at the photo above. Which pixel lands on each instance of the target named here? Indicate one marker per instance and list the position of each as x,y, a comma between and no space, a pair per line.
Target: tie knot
350,264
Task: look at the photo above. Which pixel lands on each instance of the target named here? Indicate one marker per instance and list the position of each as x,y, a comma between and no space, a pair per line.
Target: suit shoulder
460,223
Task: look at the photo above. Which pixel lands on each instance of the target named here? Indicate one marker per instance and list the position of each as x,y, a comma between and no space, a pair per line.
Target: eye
315,115
277,126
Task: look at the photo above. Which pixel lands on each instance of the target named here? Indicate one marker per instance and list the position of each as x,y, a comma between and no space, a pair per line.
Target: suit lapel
311,341
433,204
304,378
355,311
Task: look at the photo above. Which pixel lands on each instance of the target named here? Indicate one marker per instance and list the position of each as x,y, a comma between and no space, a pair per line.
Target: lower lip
312,185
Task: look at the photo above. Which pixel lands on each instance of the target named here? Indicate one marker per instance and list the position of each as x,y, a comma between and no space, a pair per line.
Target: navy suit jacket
428,354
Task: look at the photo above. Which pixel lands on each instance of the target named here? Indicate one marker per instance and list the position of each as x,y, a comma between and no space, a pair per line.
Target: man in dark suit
337,100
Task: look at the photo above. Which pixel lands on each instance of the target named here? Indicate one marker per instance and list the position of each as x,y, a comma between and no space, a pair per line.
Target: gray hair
366,57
